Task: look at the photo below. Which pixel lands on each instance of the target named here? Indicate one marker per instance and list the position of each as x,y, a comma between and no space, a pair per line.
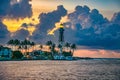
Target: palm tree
22,45
41,46
49,43
73,47
59,46
67,45
32,45
11,42
16,43
53,48
26,44
19,47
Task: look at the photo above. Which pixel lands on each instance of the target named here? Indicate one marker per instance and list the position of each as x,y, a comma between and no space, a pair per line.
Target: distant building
5,52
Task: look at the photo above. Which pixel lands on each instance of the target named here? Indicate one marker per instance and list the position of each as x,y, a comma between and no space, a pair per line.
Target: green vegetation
17,55
19,45
67,54
27,50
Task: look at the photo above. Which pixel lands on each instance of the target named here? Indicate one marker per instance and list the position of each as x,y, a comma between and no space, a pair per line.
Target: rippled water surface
100,69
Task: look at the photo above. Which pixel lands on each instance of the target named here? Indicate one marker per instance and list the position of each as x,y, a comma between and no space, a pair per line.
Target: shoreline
59,59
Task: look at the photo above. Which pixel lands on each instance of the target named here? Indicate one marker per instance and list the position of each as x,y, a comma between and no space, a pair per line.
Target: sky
93,25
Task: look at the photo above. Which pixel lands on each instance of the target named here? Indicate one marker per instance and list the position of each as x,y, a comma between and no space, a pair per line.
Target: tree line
17,45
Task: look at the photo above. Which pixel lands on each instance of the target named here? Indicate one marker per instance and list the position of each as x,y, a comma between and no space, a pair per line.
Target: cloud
86,27
85,17
4,33
15,9
21,34
116,18
25,25
90,28
21,9
4,7
47,22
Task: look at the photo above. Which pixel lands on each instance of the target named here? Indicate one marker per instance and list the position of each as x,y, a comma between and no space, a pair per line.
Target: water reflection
60,70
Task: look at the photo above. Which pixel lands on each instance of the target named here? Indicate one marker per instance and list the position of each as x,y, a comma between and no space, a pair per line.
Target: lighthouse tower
61,38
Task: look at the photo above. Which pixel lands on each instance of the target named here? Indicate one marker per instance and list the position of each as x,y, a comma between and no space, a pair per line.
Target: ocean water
96,69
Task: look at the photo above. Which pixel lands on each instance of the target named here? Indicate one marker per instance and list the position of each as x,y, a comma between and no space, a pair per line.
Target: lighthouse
61,38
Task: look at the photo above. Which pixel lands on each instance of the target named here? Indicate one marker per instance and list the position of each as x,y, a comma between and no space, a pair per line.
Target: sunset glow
97,53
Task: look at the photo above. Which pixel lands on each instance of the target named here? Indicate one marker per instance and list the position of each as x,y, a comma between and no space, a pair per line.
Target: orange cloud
14,25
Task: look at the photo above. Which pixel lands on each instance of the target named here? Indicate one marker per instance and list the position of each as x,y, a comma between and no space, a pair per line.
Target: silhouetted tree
11,43
52,49
73,47
26,44
17,55
67,45
51,46
32,45
16,43
49,43
41,46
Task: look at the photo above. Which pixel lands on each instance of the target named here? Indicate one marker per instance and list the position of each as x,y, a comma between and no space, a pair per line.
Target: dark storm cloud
4,7
4,33
21,34
14,9
4,10
21,9
47,21
85,17
80,15
93,30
